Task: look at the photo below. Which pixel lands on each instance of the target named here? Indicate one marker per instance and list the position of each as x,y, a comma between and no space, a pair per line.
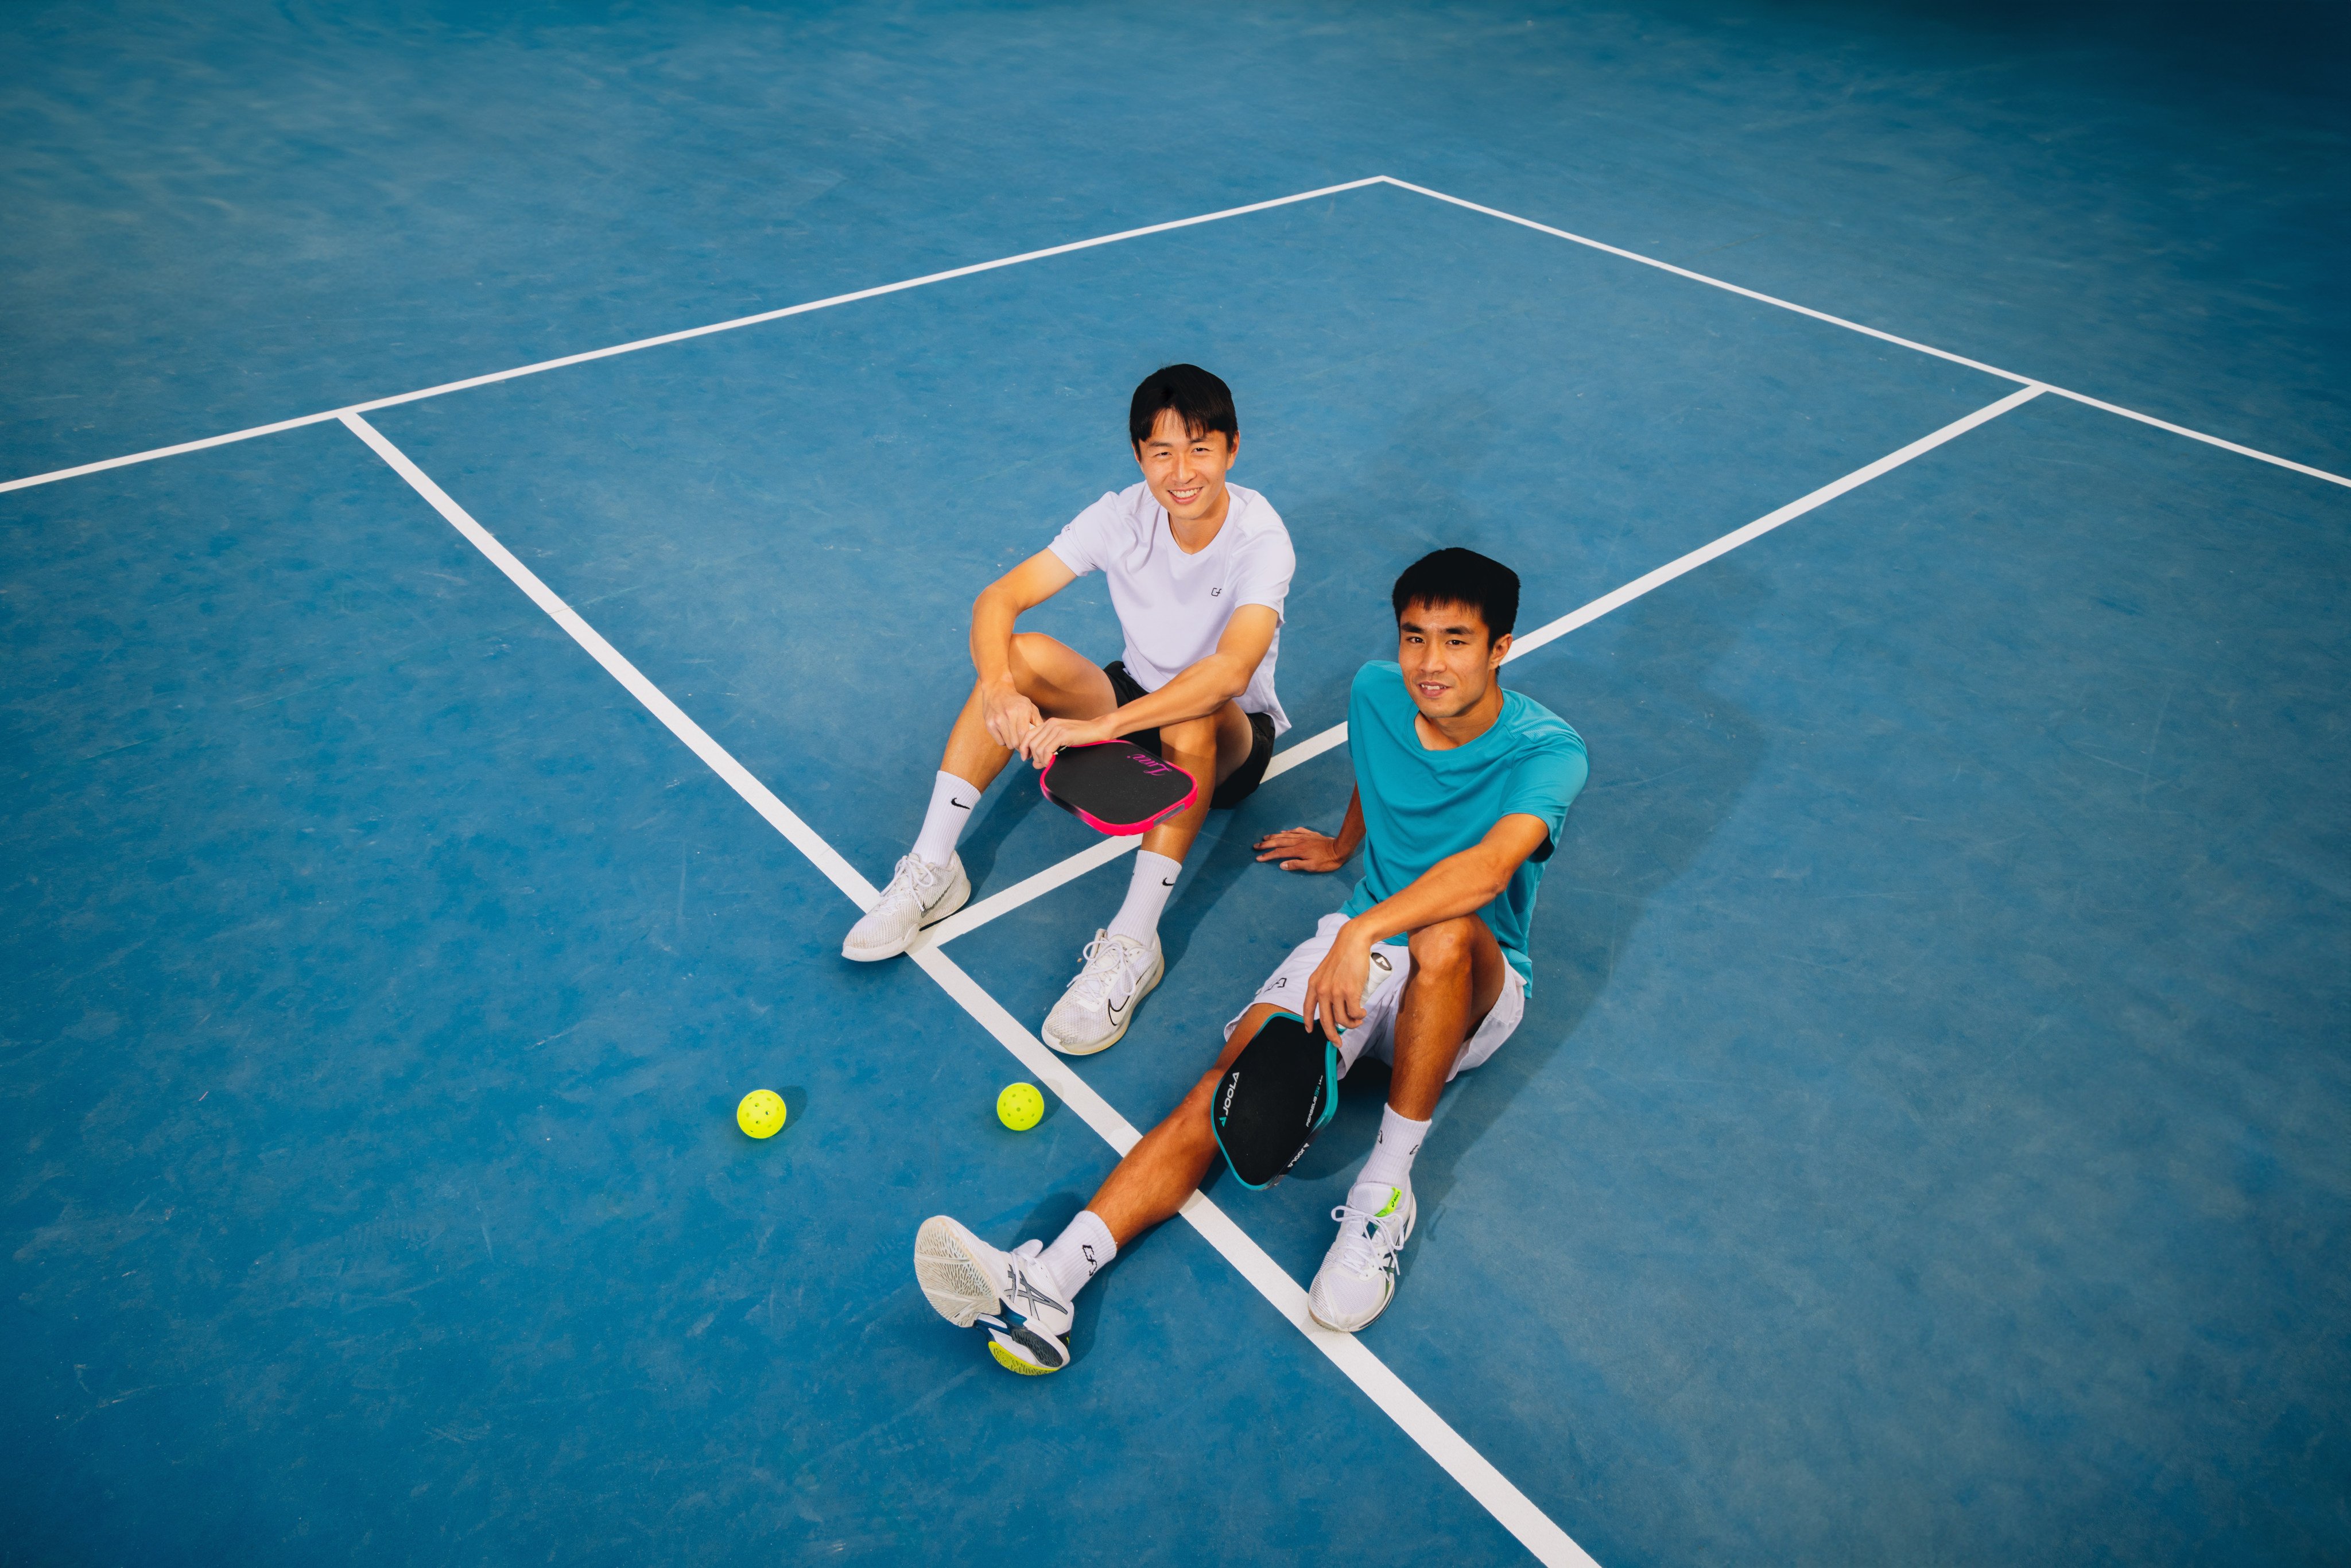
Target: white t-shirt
1172,607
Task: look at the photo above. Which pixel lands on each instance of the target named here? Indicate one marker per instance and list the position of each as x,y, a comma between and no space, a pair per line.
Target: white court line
973,916
628,348
1477,1476
679,337
1774,300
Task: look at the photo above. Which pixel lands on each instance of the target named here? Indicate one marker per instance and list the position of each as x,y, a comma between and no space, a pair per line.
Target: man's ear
1498,652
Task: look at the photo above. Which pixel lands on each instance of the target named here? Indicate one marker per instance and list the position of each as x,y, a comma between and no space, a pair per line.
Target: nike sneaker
971,1284
919,894
1358,1276
1095,1009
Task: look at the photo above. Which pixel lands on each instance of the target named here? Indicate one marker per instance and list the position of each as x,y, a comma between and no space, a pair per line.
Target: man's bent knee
1193,737
1032,650
1449,943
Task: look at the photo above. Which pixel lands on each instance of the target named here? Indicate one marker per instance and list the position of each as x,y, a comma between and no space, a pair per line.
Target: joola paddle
1116,786
1280,1091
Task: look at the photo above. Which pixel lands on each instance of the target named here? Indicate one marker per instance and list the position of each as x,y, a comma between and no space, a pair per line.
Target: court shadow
1220,857
1669,759
1007,805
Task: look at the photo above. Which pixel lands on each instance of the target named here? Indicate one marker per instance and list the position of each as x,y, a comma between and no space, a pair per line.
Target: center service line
1477,1476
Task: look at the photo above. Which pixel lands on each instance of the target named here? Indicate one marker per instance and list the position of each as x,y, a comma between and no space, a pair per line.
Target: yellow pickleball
1019,1107
761,1114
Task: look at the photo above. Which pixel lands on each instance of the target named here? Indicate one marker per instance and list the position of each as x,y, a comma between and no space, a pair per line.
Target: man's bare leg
1456,980
1096,1010
1456,977
1061,682
1171,1160
928,884
1209,748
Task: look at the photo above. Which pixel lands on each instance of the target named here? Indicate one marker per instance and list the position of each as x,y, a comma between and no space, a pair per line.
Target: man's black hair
1458,576
1202,402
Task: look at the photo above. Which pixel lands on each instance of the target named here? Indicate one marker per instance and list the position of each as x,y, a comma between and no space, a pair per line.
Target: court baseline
760,318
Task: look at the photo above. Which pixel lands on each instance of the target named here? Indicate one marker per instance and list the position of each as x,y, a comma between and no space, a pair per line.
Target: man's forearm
1197,692
1458,884
1351,831
993,617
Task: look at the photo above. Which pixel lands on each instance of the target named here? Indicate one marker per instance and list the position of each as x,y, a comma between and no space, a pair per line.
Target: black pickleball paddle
1117,788
1281,1090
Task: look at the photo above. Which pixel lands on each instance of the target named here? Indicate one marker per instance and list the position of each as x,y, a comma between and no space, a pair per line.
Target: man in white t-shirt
1198,569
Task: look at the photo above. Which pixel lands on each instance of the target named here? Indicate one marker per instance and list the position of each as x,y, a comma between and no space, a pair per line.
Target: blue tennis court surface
1928,1139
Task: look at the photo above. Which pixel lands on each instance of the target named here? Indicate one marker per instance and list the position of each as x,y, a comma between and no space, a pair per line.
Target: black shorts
1245,779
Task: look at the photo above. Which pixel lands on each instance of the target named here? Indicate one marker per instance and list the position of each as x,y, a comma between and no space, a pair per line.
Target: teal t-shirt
1420,806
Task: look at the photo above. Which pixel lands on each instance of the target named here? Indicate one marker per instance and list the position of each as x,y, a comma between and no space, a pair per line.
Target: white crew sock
1146,894
952,800
1400,1139
1082,1249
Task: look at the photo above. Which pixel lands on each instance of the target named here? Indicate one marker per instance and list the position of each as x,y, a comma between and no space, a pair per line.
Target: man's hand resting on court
1301,849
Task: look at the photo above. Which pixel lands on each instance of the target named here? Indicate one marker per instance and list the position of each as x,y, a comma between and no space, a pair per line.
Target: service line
1491,1489
971,917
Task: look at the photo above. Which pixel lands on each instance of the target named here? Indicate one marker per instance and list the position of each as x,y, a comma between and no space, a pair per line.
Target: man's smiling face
1185,472
1448,660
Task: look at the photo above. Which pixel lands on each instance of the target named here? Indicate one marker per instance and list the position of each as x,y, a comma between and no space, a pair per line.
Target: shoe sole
960,1291
1011,1362
1411,1219
955,1284
1134,1003
1020,1350
957,895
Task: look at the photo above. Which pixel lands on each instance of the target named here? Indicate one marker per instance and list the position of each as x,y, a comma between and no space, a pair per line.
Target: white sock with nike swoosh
952,800
1146,894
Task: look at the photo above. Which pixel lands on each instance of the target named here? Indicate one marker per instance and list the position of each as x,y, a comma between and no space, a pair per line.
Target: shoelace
1359,1255
1093,983
912,879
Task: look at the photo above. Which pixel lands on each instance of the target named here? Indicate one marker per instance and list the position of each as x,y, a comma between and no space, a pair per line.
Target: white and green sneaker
1358,1276
1025,1311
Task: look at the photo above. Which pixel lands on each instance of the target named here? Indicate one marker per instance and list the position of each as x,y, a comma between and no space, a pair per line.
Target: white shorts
1391,966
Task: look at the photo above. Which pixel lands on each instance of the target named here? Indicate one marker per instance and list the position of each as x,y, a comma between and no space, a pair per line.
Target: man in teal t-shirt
1420,805
1461,791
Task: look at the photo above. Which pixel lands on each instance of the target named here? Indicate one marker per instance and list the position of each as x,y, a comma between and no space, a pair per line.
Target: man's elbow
1232,677
1498,879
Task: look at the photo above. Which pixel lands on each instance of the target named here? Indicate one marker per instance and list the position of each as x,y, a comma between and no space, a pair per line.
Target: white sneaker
919,894
967,1281
1095,1009
1358,1276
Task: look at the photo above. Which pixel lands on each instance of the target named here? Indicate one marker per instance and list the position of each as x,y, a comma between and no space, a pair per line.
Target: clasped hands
1014,721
